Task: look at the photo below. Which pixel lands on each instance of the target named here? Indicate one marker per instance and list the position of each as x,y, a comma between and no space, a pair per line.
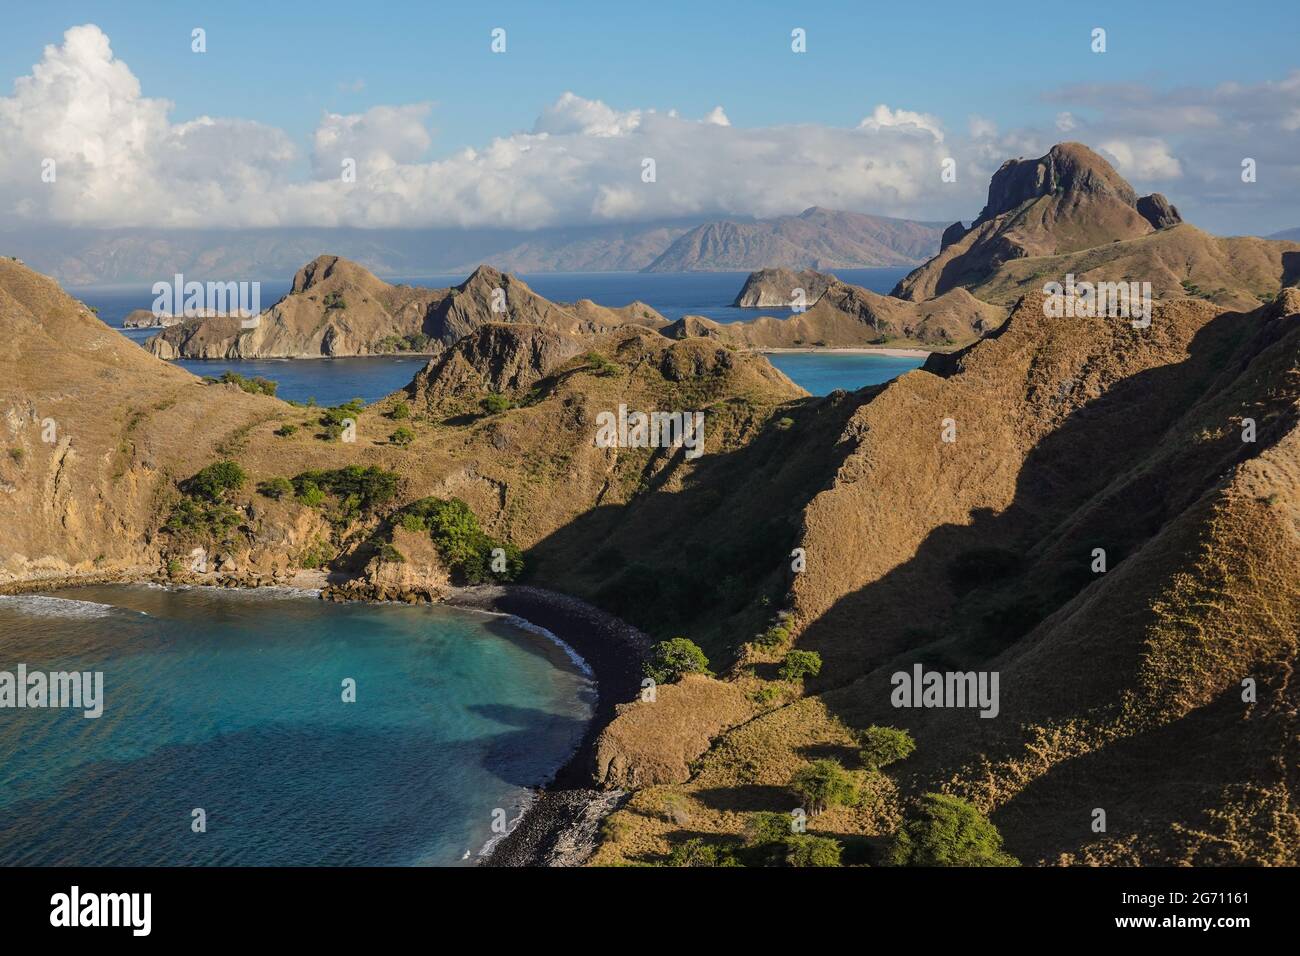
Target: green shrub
285,430
670,660
357,488
413,522
333,418
495,403
202,519
275,488
461,541
778,635
799,664
417,342
695,852
402,436
17,454
334,300
802,849
254,386
824,784
948,831
310,494
212,482
401,411
600,365
882,746
785,424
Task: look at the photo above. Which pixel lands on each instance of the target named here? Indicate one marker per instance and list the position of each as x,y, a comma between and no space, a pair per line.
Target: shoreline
560,824
848,350
559,827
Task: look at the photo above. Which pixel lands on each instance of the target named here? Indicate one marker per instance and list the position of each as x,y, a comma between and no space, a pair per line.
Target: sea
227,736
710,294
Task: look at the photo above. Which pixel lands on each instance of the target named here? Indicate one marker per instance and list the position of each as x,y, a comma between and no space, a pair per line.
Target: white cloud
1142,158
883,118
122,161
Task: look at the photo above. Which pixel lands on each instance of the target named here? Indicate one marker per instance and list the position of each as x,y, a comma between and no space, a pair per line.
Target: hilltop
1070,211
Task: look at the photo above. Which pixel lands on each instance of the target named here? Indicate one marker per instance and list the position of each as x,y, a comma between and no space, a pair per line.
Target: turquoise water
823,372
231,701
674,294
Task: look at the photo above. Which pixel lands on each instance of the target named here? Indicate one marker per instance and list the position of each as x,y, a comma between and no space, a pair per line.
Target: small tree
400,412
496,403
948,831
402,436
882,746
801,664
824,784
671,659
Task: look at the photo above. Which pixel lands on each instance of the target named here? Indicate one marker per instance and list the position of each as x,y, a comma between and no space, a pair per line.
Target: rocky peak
1067,168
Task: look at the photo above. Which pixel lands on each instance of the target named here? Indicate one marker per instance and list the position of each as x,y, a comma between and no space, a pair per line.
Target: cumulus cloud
122,161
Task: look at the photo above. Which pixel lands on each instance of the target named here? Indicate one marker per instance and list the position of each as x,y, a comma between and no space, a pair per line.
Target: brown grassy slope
131,427
846,316
124,426
1120,690
1238,272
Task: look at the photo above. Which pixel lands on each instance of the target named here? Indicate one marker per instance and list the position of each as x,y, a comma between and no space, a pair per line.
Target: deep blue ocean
674,295
231,702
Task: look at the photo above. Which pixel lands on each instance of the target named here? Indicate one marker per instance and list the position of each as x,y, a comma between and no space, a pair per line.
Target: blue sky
990,81
282,64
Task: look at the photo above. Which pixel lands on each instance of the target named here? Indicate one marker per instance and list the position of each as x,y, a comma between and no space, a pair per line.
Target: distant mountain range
817,238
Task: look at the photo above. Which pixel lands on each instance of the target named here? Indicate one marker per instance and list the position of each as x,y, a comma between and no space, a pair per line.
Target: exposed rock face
815,239
1067,200
954,233
336,308
1158,211
774,288
848,316
495,358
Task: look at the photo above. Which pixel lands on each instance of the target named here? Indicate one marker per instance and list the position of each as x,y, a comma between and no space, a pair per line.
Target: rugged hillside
978,555
95,432
336,307
815,239
847,316
130,431
774,288
1070,212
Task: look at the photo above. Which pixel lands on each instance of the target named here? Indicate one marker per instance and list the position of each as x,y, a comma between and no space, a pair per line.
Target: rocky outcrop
508,359
774,288
954,233
817,238
1158,211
